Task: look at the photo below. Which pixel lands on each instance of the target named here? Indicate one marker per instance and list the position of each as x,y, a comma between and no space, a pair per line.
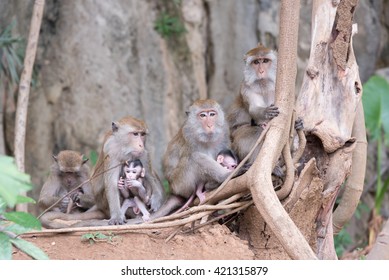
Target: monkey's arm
140,189
86,198
209,168
238,115
263,114
50,194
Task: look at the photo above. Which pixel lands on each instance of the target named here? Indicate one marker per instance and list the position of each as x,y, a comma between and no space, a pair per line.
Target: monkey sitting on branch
254,107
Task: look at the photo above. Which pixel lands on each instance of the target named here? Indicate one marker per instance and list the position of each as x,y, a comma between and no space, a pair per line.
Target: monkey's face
69,179
261,66
227,162
131,140
133,173
137,141
208,120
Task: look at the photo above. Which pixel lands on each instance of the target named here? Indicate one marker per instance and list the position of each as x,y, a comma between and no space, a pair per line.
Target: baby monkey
133,190
227,159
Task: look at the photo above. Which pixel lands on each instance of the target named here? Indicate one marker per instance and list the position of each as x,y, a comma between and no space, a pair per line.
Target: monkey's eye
135,133
266,60
256,61
143,134
202,115
212,114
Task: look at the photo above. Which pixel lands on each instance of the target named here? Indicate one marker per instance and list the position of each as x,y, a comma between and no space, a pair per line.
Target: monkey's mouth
136,153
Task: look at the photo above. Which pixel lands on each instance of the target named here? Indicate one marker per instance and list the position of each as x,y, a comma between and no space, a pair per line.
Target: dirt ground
214,242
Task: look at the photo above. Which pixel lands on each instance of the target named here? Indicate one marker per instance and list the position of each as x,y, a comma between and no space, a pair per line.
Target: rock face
101,60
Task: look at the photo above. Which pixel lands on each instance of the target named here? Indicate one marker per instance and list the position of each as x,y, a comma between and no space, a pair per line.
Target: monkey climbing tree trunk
24,88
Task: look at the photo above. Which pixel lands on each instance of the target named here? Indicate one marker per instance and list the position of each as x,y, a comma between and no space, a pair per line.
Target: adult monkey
124,142
253,107
190,158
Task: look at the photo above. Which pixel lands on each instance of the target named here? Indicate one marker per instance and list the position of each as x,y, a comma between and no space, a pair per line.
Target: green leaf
29,248
24,219
16,229
5,247
371,99
12,181
24,199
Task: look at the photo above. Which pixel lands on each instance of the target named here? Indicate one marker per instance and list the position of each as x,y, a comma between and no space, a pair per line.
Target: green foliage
168,25
93,157
12,224
11,55
376,106
98,237
342,240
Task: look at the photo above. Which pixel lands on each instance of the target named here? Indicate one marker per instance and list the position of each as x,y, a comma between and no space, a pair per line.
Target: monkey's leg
142,208
200,193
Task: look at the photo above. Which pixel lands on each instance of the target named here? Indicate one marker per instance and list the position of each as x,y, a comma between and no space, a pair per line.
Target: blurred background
98,61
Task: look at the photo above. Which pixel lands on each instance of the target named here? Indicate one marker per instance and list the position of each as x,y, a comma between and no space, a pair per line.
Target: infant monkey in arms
132,189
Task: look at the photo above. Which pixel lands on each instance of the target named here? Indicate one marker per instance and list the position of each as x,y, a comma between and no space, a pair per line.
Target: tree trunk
24,89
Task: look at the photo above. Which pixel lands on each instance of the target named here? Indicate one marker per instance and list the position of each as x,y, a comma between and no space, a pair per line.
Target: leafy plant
167,25
11,54
12,224
93,157
376,106
342,240
98,237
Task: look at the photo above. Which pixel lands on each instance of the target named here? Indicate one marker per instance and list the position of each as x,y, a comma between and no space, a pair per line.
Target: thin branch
24,89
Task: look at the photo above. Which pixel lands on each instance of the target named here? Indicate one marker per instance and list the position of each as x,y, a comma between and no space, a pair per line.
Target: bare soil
214,242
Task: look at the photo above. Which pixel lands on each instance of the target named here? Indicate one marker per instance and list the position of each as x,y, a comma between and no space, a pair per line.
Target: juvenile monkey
253,107
227,159
132,190
68,171
190,158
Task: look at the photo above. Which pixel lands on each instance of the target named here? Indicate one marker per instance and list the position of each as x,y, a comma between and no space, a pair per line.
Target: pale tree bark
332,87
24,89
354,184
380,250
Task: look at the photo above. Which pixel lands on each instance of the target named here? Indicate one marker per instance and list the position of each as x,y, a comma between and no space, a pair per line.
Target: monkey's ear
115,127
55,158
187,113
143,172
220,158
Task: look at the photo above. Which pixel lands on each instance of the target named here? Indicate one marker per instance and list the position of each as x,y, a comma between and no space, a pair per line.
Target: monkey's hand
299,124
134,184
117,219
271,112
242,170
121,183
277,171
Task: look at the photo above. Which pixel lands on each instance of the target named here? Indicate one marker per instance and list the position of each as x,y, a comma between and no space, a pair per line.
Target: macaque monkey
132,190
68,171
124,142
190,159
227,159
253,107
